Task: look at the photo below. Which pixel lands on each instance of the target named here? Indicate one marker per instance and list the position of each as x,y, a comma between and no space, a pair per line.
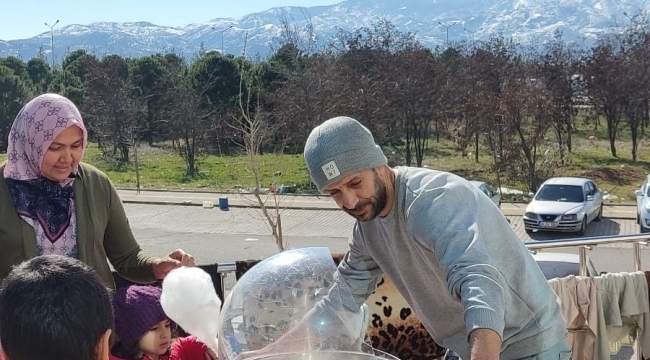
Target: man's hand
176,259
210,355
484,344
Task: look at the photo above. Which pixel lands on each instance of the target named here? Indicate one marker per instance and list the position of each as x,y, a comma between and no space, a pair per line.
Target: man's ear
104,346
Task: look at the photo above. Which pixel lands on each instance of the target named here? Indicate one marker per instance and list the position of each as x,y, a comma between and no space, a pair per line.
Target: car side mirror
590,198
530,194
602,273
638,193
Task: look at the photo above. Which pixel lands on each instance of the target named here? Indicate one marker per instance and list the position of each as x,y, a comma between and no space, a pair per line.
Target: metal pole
447,28
637,255
472,33
223,31
583,260
52,39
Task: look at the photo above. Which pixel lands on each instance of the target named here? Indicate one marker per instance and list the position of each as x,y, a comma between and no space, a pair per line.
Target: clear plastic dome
279,310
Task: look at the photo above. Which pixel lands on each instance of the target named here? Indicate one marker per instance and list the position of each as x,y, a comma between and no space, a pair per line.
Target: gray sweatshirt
454,257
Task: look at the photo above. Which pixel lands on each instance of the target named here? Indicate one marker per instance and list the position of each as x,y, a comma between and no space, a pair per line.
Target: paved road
302,201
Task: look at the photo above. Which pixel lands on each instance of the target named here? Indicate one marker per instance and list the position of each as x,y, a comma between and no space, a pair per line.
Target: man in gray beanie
445,245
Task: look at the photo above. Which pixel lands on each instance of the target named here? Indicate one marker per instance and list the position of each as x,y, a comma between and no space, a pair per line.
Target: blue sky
25,18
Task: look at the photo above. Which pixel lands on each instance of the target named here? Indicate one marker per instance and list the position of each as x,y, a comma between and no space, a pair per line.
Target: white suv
643,206
559,265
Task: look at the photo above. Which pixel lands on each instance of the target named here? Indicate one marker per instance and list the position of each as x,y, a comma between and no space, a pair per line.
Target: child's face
156,341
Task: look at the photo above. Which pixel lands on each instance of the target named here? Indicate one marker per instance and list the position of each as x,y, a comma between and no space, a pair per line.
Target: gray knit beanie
338,147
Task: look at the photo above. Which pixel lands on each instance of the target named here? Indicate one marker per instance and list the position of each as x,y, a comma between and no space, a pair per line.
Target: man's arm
484,344
444,217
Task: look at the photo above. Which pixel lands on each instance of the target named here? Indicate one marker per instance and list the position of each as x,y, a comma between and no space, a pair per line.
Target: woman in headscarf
51,203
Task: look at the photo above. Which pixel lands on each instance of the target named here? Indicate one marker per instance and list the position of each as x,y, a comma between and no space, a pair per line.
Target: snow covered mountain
524,20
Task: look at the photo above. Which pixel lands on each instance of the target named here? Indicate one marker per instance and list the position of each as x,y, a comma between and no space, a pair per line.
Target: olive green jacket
103,231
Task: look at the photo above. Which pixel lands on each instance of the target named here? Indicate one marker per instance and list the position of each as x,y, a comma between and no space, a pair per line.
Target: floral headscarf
36,126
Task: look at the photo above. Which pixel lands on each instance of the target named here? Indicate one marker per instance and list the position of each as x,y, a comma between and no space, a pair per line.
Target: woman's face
156,341
63,155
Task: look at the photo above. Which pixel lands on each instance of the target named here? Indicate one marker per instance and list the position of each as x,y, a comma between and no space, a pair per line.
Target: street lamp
472,33
222,31
52,41
631,18
447,28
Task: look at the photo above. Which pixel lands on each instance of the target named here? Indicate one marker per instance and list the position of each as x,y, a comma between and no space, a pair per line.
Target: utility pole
52,41
447,28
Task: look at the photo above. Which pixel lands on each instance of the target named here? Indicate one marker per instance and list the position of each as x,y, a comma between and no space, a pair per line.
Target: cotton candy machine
372,354
274,297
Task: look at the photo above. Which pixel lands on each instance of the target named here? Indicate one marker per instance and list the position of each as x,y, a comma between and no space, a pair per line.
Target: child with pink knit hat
145,331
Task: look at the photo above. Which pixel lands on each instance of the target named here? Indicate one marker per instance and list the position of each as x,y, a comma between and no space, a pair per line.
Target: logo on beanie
330,170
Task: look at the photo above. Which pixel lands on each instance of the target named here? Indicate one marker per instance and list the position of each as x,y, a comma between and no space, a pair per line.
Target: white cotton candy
189,299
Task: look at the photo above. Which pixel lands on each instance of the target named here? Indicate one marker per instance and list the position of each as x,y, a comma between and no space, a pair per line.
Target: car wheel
600,214
583,227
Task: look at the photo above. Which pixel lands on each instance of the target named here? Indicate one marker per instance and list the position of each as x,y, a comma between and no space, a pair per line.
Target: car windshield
565,193
556,269
561,269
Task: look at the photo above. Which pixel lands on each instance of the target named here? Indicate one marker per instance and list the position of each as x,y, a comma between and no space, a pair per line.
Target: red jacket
186,348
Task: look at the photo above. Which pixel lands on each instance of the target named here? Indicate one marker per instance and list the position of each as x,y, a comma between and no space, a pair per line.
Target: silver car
643,206
565,204
487,190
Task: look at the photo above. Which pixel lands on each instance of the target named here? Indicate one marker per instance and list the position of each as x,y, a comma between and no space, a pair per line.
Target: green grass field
162,169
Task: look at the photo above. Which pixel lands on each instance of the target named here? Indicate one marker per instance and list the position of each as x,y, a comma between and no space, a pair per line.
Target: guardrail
585,244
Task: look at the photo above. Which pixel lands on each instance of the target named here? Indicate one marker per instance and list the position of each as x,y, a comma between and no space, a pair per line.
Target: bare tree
367,69
419,82
558,66
252,125
188,119
635,71
114,110
604,84
526,106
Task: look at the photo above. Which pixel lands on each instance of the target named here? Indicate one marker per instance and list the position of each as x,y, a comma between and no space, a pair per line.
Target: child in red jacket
145,332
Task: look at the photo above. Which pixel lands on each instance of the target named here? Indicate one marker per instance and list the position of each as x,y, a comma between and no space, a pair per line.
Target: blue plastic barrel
223,203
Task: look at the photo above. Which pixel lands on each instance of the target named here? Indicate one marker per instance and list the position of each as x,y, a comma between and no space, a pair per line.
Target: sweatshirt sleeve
123,251
187,348
358,270
444,218
337,318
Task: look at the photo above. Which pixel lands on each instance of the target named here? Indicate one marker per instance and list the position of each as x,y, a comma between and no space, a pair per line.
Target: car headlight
530,215
570,217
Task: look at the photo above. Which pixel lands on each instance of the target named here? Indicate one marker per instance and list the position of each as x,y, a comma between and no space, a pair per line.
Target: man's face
362,194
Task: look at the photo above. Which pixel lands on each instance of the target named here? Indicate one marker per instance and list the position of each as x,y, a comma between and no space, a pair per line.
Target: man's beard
377,202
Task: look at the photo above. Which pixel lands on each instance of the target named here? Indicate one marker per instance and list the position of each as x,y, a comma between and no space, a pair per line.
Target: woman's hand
176,259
